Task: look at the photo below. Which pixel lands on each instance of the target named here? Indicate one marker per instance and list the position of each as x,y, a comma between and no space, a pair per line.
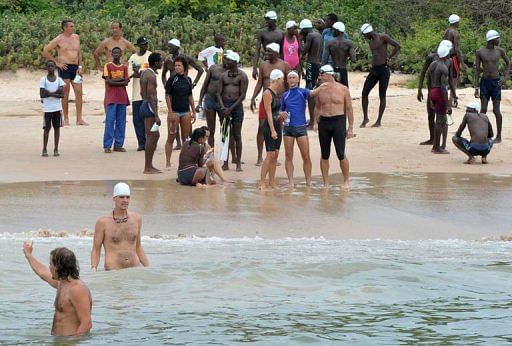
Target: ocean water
401,259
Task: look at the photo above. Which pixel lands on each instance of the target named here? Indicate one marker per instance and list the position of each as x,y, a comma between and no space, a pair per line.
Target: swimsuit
332,128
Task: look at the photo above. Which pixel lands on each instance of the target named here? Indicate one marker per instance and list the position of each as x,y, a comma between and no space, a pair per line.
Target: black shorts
237,115
272,144
186,175
490,89
70,73
333,128
342,75
145,112
378,74
312,72
52,119
295,131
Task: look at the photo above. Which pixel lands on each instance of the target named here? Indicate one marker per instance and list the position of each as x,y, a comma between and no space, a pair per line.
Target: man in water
231,94
481,133
312,47
334,107
430,111
488,62
69,62
270,34
271,62
452,34
379,72
73,302
115,40
119,234
339,49
149,110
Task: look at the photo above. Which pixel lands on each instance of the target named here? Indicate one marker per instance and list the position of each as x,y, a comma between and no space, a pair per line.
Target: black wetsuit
332,128
272,144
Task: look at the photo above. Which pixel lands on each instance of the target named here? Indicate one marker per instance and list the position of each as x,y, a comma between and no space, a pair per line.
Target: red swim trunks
437,98
261,111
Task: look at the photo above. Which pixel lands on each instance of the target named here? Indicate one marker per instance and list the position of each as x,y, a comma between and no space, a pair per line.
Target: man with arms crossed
270,34
73,302
334,107
488,62
119,234
69,62
339,49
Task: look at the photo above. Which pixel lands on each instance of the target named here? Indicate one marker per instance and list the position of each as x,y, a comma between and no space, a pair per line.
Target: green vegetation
26,26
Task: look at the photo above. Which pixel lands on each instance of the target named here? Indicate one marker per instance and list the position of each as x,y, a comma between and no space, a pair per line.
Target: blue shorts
490,89
182,114
475,149
210,103
70,73
145,111
237,115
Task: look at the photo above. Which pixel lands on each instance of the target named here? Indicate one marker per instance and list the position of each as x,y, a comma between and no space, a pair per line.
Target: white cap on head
474,105
327,69
305,24
443,51
453,19
121,189
492,34
290,24
293,73
339,26
175,42
276,74
271,15
232,56
366,28
273,46
446,43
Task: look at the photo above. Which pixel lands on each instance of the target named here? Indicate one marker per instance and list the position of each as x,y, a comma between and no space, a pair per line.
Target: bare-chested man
271,62
73,302
379,72
334,107
481,133
116,40
488,62
430,111
208,98
339,49
438,75
452,34
312,47
149,110
270,34
69,62
231,94
119,234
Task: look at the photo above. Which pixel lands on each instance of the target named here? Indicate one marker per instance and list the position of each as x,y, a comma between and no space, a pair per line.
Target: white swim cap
271,15
446,43
326,69
474,105
305,24
175,42
293,72
366,28
121,189
339,26
443,51
276,74
273,46
232,56
453,19
290,24
492,34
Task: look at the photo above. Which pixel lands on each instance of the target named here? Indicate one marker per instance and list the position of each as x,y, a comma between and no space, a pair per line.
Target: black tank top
275,105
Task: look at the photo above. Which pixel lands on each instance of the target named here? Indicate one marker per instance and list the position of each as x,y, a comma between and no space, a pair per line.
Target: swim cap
453,19
326,69
290,24
271,15
293,72
305,24
443,51
366,28
446,43
232,56
273,46
121,189
339,26
492,34
474,105
175,42
276,74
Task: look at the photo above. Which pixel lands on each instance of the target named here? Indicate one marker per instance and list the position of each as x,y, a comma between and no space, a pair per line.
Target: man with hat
487,62
137,63
452,34
270,34
481,133
379,72
339,49
115,40
119,233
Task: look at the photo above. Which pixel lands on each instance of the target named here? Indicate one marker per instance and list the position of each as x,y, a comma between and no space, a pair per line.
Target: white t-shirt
212,55
142,61
51,104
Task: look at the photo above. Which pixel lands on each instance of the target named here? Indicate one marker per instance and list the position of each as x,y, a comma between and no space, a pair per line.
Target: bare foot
259,162
440,151
177,147
345,186
262,186
66,122
81,123
497,140
470,161
363,124
484,160
168,166
239,168
308,183
428,142
152,170
291,184
225,166
201,186
377,124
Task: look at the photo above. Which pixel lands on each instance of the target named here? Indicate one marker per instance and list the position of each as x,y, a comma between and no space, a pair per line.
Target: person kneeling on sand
197,164
481,133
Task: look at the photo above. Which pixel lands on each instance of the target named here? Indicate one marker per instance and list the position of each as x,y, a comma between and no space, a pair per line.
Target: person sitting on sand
480,130
73,302
51,91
